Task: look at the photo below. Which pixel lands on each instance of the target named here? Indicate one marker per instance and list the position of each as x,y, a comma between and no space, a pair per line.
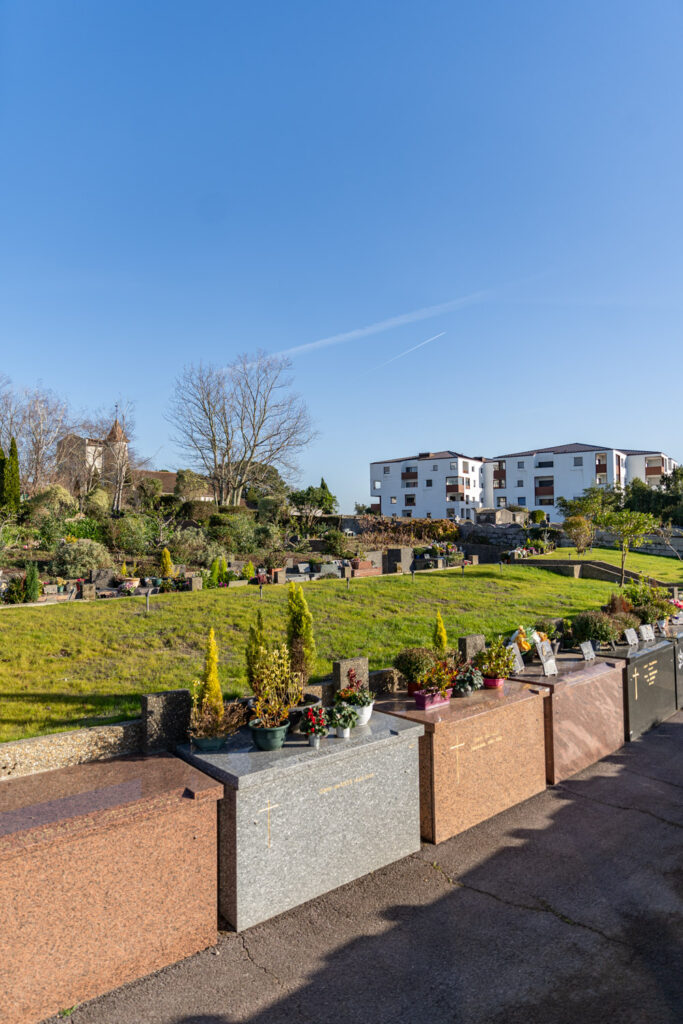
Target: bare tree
44,423
11,415
232,421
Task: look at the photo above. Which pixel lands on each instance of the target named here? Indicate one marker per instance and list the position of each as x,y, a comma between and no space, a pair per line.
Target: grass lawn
668,570
65,666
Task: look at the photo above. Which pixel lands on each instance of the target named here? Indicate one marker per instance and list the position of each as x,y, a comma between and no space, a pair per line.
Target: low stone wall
61,749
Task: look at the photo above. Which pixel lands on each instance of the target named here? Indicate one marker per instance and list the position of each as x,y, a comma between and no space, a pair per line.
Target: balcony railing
409,475
545,492
455,489
654,470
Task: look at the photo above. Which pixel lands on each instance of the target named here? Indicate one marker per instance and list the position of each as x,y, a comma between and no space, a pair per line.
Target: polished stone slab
584,714
649,684
479,755
107,873
297,822
675,635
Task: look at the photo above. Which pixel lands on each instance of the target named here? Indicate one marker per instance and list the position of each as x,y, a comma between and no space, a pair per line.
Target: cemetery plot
649,684
479,755
584,714
297,822
97,884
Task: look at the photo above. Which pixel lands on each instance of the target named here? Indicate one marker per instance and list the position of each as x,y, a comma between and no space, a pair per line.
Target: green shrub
97,503
300,640
88,528
199,511
257,642
414,662
595,626
52,527
32,583
15,592
132,534
537,516
55,501
248,572
624,621
335,543
74,559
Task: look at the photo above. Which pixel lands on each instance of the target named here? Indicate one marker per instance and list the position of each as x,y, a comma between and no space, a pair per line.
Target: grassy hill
65,666
668,570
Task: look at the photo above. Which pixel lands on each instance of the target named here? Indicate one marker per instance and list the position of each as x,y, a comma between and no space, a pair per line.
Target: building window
601,479
428,483
548,464
387,469
545,501
407,514
410,469
392,500
435,466
453,465
429,515
377,484
520,483
465,467
410,500
498,484
545,481
520,465
578,460
521,501
450,512
451,497
501,502
409,483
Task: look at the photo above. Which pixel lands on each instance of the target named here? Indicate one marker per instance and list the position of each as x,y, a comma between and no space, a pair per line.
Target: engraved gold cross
268,809
635,681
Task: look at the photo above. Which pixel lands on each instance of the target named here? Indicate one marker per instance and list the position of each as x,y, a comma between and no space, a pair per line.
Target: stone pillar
196,583
165,719
469,645
340,670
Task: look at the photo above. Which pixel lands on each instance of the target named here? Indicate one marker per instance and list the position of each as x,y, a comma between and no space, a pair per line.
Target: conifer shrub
257,642
74,559
248,572
32,583
210,694
440,638
300,639
166,565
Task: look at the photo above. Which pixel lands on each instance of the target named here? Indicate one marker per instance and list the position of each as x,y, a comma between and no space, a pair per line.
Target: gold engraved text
347,782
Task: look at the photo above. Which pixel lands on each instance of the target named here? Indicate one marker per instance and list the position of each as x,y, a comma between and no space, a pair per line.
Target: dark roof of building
639,451
426,456
560,449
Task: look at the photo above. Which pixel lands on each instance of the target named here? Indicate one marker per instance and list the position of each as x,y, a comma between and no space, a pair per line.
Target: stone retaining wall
61,749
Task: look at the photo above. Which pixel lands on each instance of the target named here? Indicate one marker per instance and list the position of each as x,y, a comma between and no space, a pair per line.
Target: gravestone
545,653
649,684
165,719
297,822
647,633
471,644
631,637
662,626
588,651
101,577
340,672
88,592
279,576
303,567
519,665
49,589
347,572
196,583
329,569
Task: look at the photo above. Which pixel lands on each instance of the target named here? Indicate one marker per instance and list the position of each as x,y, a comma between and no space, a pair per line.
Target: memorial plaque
649,684
469,746
584,714
631,637
647,633
663,627
297,822
549,666
519,665
588,651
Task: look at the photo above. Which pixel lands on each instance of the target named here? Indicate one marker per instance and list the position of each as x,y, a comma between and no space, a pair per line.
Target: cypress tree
11,484
32,583
3,460
166,564
256,640
300,638
210,695
439,637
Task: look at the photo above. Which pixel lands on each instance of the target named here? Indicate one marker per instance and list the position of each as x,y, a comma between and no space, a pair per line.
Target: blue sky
193,180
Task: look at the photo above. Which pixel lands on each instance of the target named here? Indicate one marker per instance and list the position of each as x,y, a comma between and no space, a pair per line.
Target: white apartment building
430,485
440,485
537,478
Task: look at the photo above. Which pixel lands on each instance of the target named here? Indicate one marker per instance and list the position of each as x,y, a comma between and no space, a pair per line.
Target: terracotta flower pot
493,684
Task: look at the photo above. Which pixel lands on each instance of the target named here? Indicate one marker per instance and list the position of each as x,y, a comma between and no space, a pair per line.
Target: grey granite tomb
298,822
649,684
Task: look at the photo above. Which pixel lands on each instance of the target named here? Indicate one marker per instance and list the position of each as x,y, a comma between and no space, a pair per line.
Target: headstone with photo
631,637
588,651
545,652
662,626
646,632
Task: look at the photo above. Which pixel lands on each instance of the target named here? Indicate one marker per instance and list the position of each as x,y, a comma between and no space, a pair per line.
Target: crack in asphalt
543,907
622,807
260,967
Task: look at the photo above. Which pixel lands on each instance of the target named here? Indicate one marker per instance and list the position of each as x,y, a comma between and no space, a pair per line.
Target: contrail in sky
386,325
409,350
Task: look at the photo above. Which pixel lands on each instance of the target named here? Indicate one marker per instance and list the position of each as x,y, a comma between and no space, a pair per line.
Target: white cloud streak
409,350
386,325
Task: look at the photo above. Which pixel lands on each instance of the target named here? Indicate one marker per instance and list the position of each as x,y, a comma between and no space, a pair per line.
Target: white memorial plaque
519,665
662,625
646,632
544,650
588,651
631,637
550,667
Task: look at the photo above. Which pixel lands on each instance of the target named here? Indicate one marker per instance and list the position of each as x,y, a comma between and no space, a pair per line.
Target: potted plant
210,721
358,696
413,663
467,680
314,725
436,686
343,717
296,715
277,689
495,663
